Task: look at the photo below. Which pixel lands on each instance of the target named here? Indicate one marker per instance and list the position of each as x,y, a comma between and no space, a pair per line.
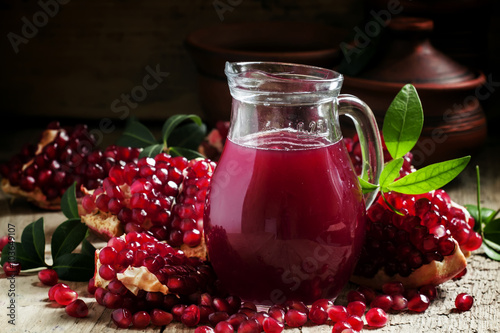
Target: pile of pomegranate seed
63,156
163,195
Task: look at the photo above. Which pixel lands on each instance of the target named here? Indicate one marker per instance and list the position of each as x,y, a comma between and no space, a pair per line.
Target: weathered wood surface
35,314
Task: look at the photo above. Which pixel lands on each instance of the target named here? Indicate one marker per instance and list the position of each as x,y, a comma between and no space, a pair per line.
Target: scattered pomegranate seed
12,268
376,317
295,318
464,302
272,325
337,313
430,291
318,315
356,322
77,309
399,303
91,288
53,289
383,302
4,240
356,308
223,327
418,303
48,277
65,296
340,326
204,329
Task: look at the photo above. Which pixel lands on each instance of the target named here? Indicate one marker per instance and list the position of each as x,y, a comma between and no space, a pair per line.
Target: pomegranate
163,195
42,172
416,240
77,309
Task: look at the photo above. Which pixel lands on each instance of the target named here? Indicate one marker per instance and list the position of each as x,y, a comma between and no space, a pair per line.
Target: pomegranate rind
199,251
104,225
139,278
36,196
433,273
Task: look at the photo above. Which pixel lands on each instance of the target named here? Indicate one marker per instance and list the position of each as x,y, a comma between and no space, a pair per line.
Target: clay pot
454,122
292,42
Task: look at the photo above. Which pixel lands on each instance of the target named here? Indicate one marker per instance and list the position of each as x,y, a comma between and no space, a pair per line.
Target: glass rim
313,74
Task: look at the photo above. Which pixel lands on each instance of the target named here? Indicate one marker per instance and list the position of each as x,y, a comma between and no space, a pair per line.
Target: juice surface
284,218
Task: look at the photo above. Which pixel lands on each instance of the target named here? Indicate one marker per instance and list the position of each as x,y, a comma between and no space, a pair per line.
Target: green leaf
136,135
487,215
151,151
188,136
187,153
74,267
69,205
366,187
403,122
390,172
491,253
88,248
173,121
33,240
430,178
491,231
492,245
14,252
67,236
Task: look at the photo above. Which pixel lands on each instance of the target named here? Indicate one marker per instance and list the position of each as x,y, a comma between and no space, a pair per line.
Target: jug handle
369,139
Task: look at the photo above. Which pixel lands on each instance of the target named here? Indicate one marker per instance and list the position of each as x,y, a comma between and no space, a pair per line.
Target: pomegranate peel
434,273
36,196
104,225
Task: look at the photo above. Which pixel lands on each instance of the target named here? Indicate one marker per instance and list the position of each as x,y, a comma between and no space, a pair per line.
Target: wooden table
35,314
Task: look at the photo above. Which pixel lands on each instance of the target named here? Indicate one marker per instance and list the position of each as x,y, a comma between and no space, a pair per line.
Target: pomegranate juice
285,218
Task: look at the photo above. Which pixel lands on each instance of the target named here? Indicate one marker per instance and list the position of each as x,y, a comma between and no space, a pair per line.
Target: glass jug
285,214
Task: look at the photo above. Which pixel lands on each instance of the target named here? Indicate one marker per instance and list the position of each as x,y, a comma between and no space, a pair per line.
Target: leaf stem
394,209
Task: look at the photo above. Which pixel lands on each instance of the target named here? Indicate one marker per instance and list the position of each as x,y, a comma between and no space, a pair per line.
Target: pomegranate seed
277,313
337,313
474,242
418,303
393,288
323,303
250,325
355,295
99,295
369,293
204,329
376,317
295,318
107,272
160,317
53,289
11,268
236,319
191,316
122,317
318,315
459,275
399,303
464,302
383,302
217,317
356,322
141,319
65,296
340,326
223,327
91,288
272,325
356,308
77,309
48,277
112,300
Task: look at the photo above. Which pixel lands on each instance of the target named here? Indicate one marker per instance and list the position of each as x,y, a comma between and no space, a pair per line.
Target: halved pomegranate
164,196
414,239
138,272
42,172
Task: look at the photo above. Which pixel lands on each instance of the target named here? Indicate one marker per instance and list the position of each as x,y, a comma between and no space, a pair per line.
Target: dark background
90,52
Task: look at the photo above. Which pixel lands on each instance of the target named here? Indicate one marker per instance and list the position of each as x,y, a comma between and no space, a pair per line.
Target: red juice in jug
285,217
